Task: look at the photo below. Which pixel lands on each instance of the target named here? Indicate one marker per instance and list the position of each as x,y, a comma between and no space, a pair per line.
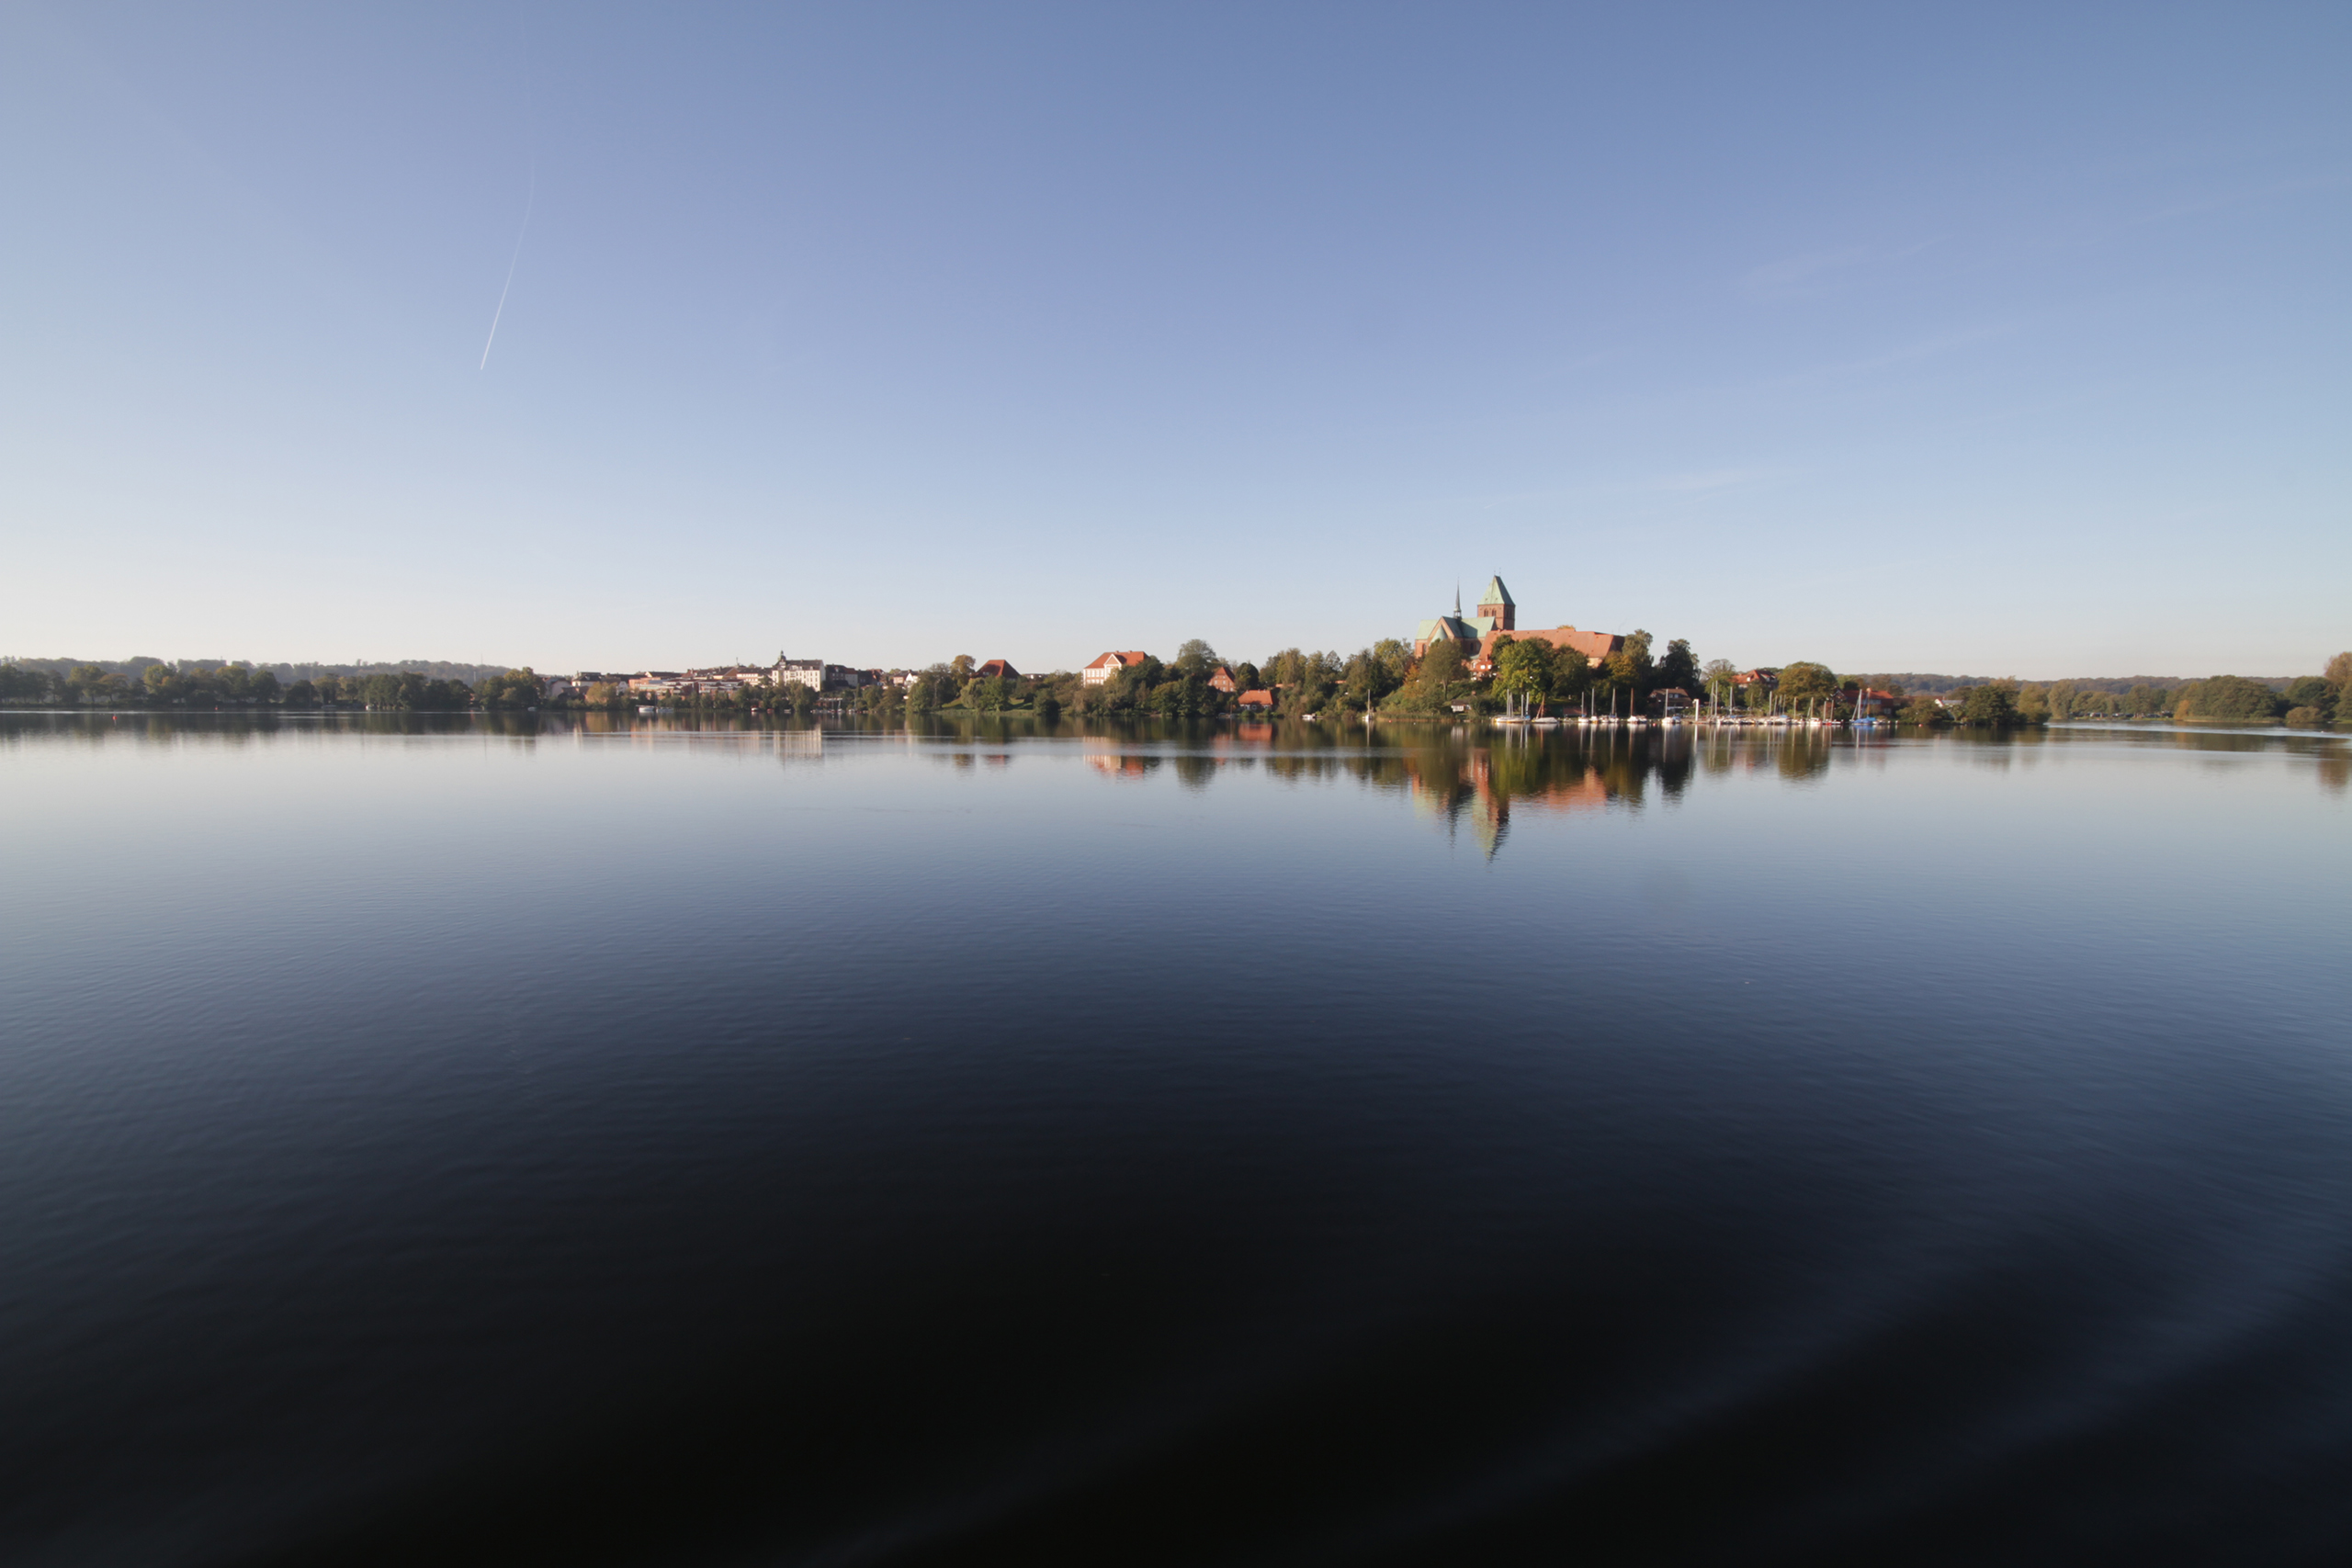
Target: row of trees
2308,700
241,686
1384,678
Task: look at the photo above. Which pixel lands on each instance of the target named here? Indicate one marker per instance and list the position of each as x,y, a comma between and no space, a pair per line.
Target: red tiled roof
1257,697
1595,646
1125,661
997,668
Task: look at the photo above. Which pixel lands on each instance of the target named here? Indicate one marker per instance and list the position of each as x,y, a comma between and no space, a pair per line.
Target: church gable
1497,616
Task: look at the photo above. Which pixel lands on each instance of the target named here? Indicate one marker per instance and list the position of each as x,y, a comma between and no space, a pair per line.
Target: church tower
1496,604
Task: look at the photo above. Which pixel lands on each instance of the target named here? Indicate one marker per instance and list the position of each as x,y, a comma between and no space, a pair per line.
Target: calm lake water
492,1142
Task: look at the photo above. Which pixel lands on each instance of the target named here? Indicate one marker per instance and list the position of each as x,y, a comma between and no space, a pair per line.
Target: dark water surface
490,1143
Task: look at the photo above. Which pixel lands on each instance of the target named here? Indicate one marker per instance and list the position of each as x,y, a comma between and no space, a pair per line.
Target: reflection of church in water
1449,780
1482,783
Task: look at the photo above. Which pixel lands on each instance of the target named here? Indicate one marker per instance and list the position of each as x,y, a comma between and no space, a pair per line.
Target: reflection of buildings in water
1482,785
1452,779
1118,764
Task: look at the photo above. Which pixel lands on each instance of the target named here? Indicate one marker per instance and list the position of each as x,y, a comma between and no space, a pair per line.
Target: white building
809,672
1110,664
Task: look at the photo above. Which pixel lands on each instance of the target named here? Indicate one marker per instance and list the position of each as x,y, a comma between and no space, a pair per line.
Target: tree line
189,684
1382,678
2308,701
1385,677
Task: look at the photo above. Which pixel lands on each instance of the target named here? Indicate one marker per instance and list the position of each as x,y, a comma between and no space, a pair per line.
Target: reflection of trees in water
1804,754
1478,778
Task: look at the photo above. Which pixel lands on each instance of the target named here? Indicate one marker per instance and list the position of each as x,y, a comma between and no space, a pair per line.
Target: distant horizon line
422,665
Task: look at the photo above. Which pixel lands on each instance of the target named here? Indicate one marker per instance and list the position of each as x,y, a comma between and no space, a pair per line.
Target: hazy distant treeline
287,674
198,683
2114,685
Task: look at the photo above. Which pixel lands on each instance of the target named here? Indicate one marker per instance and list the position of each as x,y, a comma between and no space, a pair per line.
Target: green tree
24,683
1131,687
1627,670
1188,696
2228,696
1679,668
1438,679
932,688
89,684
1990,706
1805,683
2309,692
1571,674
1522,670
1926,712
1367,678
1620,672
1197,655
1719,675
514,689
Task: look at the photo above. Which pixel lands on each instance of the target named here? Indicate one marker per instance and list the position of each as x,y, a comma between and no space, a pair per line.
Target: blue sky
2007,340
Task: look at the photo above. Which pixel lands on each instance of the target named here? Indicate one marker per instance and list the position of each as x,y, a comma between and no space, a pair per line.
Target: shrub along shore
1383,678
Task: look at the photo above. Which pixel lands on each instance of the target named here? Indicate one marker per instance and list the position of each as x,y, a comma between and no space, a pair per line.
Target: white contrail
532,197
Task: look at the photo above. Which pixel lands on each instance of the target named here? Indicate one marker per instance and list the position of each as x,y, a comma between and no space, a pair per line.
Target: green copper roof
1497,593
